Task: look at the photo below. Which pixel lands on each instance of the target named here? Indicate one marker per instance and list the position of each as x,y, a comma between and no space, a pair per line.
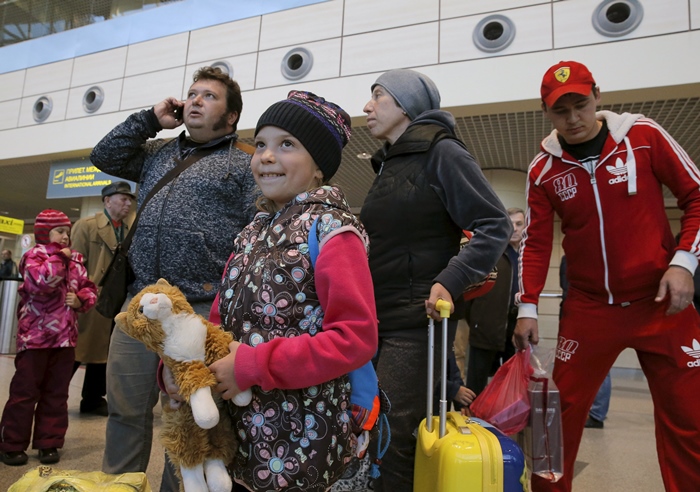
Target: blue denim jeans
599,409
132,393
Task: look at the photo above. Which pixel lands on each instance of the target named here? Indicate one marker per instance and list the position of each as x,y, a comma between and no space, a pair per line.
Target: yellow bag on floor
48,479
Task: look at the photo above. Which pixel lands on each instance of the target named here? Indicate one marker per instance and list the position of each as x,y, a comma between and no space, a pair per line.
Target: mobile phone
178,112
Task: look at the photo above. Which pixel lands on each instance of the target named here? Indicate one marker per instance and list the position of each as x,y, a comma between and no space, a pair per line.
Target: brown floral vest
289,439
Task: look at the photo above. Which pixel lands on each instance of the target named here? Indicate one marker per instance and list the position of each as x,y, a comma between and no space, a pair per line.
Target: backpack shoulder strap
363,381
313,242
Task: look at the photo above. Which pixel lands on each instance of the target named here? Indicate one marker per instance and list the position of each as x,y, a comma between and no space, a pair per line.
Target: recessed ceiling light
364,155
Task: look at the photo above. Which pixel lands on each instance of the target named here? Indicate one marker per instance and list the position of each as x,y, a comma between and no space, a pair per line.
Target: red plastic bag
504,403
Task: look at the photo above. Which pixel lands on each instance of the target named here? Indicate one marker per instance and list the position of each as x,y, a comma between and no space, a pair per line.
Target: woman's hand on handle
437,292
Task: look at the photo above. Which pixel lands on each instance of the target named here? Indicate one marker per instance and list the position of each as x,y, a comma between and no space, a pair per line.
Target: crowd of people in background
230,226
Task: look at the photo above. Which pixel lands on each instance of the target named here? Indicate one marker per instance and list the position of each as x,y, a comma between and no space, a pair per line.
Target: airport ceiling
504,136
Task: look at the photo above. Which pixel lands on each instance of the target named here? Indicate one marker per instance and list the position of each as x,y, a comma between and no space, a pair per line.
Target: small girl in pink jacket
55,289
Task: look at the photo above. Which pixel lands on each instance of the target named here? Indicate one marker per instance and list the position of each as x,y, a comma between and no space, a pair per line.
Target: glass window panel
25,19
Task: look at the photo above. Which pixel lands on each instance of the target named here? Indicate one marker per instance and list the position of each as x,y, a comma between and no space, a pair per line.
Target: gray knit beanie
412,90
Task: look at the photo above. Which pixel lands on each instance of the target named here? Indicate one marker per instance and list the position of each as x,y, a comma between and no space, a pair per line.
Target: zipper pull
381,168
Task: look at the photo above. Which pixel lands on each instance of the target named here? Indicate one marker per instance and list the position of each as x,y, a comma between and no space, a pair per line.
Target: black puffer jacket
427,190
186,232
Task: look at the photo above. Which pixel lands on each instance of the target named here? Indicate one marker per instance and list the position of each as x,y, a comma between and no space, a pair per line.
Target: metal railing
8,317
548,295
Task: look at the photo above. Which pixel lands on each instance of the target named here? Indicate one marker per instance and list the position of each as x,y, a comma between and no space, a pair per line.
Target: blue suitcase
515,476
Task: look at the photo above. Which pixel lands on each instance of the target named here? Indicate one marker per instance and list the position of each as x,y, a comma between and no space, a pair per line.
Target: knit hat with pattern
46,220
323,128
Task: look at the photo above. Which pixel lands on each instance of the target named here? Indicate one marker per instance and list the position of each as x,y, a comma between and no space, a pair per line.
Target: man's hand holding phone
169,112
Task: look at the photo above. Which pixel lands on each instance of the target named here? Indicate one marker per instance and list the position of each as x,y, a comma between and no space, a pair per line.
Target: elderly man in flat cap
96,237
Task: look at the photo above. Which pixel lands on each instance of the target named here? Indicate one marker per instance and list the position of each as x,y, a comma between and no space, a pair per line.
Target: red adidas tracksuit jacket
618,244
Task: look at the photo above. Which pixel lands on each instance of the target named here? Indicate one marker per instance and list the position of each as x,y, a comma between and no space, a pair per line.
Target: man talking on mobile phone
184,235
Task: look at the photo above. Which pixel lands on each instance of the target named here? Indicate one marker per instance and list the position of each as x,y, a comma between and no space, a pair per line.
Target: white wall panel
9,113
48,78
573,26
351,93
326,64
12,85
383,50
224,40
302,25
243,71
373,15
459,8
508,185
59,102
106,65
149,89
158,54
695,14
112,97
533,32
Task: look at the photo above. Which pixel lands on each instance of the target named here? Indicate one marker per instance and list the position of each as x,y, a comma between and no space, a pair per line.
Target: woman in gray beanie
428,189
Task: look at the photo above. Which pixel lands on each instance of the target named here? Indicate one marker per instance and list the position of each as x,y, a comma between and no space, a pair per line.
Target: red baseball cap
563,78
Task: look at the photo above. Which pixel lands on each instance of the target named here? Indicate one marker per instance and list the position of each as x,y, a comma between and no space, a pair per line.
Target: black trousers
481,366
95,382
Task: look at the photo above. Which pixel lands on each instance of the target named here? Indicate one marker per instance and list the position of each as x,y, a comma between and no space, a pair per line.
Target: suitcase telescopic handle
444,308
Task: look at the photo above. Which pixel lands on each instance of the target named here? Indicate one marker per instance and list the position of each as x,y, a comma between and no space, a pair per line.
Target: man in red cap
630,286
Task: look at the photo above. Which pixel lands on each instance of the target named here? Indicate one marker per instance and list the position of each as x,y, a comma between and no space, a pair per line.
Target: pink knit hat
46,220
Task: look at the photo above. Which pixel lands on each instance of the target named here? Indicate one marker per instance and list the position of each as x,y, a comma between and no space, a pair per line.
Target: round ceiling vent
93,99
615,18
224,66
297,63
42,109
494,33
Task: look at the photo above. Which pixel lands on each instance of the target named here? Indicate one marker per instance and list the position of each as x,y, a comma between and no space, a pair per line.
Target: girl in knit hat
301,325
55,289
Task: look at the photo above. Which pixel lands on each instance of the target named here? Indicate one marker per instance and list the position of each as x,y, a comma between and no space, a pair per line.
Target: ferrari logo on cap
562,74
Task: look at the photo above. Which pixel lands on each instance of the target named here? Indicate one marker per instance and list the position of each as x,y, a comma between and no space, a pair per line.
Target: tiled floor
621,457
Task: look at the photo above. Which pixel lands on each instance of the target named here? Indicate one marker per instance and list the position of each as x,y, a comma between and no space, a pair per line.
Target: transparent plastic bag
504,403
542,438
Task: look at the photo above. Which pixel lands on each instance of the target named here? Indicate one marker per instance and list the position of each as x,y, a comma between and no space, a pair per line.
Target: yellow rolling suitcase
455,453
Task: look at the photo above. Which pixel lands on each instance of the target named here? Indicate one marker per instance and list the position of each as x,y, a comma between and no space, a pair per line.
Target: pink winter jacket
44,320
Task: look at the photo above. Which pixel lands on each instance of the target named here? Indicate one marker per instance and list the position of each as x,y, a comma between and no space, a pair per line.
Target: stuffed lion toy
197,436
